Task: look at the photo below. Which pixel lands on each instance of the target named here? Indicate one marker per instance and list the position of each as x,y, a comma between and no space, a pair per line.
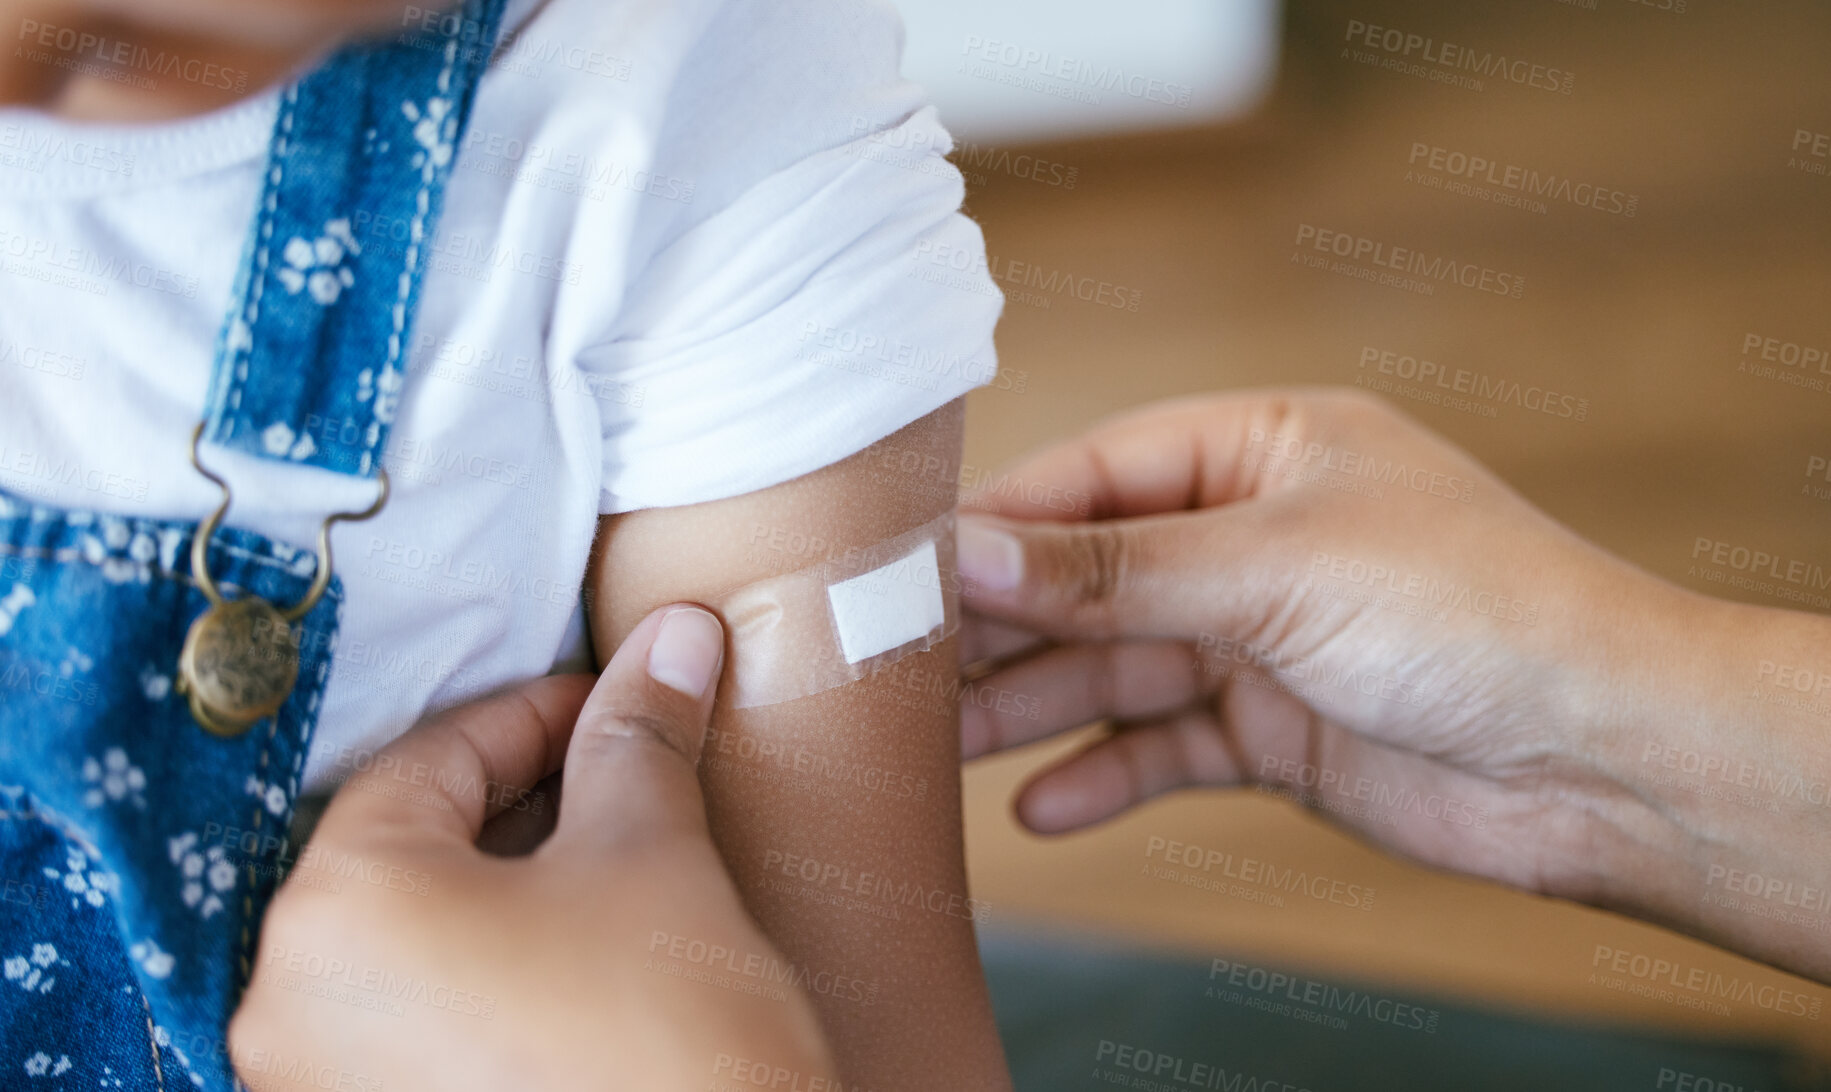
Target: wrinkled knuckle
624,731
1098,563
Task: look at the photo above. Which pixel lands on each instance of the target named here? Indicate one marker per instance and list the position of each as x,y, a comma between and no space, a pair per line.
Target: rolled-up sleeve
819,308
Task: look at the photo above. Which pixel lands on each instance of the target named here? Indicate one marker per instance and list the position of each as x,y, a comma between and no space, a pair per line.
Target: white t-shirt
690,249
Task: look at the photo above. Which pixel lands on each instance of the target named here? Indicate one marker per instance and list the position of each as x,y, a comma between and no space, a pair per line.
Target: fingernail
686,651
987,556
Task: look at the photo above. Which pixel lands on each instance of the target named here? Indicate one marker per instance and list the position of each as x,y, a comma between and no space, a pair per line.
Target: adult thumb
631,769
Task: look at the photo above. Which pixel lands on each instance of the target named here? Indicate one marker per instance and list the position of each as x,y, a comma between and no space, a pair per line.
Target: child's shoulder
690,102
751,56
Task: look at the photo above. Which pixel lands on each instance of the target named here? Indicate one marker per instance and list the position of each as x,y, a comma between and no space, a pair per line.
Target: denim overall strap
359,158
138,852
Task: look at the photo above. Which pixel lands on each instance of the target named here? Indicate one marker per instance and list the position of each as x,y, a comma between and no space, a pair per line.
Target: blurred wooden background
1695,113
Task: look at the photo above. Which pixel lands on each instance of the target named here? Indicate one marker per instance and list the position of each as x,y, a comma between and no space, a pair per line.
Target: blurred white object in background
1020,70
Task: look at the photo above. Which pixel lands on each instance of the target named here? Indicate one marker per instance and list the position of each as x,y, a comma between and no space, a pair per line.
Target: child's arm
838,813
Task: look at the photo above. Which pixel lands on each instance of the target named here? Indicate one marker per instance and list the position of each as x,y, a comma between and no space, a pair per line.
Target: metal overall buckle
241,656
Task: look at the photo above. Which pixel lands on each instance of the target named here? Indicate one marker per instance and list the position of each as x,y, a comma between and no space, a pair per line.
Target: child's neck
86,67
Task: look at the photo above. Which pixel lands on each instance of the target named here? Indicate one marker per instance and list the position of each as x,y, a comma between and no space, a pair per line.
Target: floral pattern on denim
153,847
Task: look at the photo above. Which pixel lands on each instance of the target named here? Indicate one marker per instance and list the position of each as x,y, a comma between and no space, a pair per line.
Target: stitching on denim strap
152,1040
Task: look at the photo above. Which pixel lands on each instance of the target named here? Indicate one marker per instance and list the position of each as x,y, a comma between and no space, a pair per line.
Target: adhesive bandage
839,620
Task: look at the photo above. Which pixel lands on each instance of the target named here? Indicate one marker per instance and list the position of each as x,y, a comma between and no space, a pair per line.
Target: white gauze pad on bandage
888,607
839,620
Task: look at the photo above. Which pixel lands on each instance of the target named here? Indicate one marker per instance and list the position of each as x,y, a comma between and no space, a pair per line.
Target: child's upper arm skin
838,813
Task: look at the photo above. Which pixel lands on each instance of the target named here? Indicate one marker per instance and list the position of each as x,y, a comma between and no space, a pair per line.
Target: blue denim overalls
137,850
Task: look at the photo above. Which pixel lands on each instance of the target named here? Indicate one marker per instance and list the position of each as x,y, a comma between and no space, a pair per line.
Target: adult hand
1307,590
615,955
